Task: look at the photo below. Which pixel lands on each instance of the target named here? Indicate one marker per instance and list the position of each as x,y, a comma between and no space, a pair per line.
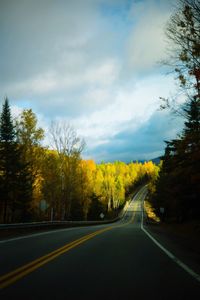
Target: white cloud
136,102
147,42
15,111
80,61
146,142
103,74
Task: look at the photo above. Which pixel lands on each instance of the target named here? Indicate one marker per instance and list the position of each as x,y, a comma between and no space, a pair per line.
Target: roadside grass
150,213
186,234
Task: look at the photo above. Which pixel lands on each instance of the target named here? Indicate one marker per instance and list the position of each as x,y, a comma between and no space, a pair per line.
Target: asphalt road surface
118,261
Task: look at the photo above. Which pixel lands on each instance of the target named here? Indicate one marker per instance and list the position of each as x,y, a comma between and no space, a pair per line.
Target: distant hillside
156,160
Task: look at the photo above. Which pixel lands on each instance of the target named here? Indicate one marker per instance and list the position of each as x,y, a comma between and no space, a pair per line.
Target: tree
178,185
191,131
51,183
7,157
69,147
27,131
183,33
15,183
96,208
191,144
29,137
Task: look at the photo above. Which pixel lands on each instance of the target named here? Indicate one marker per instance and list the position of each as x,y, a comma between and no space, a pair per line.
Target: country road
117,261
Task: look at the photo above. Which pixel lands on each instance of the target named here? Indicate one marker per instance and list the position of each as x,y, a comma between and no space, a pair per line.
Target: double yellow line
20,272
17,274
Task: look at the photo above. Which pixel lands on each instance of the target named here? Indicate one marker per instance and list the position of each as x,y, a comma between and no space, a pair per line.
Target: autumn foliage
58,184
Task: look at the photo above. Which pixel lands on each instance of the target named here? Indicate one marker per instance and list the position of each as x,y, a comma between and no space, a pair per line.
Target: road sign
43,205
162,210
101,215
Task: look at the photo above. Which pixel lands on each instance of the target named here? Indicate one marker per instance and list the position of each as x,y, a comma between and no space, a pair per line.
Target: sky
94,64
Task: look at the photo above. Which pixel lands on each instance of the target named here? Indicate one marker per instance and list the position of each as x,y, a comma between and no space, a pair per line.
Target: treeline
177,190
37,183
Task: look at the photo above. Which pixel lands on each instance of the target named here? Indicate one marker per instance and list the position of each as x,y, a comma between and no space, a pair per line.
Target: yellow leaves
37,190
76,180
110,180
28,132
90,164
150,212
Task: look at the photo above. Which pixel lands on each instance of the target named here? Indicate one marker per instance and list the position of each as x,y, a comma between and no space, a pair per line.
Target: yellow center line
20,272
13,276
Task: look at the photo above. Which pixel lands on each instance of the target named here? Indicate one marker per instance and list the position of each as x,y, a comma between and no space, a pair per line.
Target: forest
177,189
55,183
38,183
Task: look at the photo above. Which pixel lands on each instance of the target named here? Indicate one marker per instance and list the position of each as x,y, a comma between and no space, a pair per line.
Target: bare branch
65,140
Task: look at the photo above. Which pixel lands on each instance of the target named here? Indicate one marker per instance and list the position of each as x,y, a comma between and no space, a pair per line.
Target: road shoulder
180,239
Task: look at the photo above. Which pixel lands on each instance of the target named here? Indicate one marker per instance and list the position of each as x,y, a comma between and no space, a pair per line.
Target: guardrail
52,224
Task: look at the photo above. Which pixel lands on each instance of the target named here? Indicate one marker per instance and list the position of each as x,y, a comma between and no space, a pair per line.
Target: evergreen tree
191,146
15,184
7,133
192,125
7,158
178,188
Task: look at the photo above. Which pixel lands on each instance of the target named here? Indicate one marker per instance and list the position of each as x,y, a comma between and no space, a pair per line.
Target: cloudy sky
94,64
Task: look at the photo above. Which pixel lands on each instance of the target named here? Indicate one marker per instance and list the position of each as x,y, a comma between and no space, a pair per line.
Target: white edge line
49,232
52,231
169,254
36,234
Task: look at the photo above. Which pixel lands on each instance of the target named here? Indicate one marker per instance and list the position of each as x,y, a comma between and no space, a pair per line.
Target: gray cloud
35,35
81,61
53,53
147,142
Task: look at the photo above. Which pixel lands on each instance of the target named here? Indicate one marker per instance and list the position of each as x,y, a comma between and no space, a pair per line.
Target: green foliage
27,132
29,137
15,181
7,133
177,188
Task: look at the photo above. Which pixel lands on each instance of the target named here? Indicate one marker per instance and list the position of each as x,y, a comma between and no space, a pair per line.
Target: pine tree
191,146
178,186
7,133
192,125
15,184
7,158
